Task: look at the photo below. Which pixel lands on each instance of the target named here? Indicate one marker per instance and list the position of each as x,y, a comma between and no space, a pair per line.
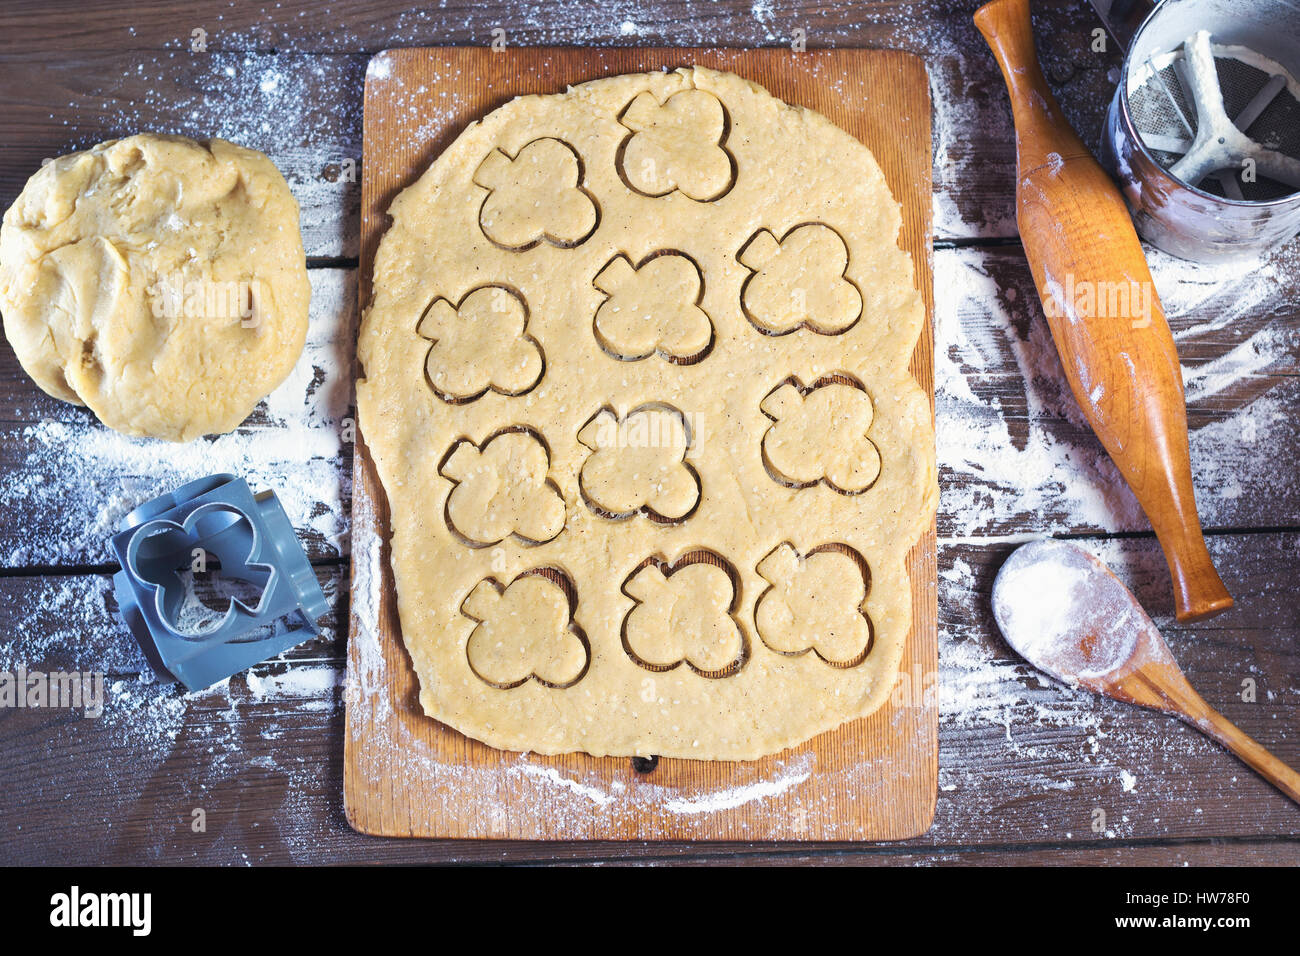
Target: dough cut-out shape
638,464
677,146
819,433
799,281
815,603
792,167
685,614
535,196
502,489
525,631
480,344
652,307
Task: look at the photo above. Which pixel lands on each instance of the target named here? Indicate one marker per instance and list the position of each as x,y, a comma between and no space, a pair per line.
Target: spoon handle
1213,724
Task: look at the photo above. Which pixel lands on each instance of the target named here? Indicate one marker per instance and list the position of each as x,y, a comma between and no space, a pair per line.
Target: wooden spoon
1115,345
1063,611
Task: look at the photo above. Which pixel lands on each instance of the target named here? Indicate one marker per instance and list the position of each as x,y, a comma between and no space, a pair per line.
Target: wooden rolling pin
1102,308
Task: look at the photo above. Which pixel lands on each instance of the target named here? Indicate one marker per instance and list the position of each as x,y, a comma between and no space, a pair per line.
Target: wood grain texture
299,110
407,775
1022,766
107,69
72,480
1016,453
1132,664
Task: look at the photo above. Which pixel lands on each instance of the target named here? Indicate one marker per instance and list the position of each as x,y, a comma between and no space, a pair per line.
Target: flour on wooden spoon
1064,612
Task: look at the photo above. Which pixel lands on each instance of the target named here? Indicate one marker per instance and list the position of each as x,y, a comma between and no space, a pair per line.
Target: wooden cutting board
408,775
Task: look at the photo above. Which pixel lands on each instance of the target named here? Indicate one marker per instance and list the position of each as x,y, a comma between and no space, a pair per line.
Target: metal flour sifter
1204,128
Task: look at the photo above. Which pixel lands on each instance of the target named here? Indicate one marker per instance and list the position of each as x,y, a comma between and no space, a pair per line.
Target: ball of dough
159,281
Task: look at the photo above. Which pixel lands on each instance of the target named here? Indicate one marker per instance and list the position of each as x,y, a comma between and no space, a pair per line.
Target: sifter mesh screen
1165,115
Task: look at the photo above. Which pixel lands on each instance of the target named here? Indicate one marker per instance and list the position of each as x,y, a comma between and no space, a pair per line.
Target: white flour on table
992,479
1006,466
83,478
994,483
985,685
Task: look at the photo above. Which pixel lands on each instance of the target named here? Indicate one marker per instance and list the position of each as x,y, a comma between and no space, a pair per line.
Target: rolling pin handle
1199,592
1041,127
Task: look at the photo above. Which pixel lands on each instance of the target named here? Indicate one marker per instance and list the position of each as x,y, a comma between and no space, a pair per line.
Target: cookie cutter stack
254,541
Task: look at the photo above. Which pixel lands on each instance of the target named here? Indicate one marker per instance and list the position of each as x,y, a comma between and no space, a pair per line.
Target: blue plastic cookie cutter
252,538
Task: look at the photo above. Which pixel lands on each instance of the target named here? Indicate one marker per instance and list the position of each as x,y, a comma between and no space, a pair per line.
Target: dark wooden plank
372,25
69,623
1024,764
1276,853
288,80
1013,743
249,749
302,110
1015,453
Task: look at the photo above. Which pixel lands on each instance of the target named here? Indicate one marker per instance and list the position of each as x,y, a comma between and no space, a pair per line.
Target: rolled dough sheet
636,385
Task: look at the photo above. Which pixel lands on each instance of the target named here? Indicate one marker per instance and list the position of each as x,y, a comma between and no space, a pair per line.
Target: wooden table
1029,773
